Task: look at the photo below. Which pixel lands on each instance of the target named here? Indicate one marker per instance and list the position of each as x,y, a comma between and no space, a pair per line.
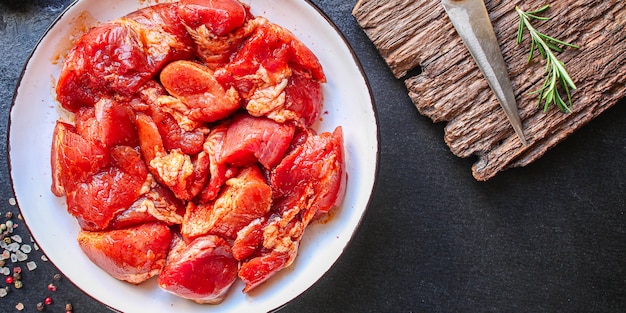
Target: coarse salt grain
5,271
31,265
12,201
3,292
12,247
44,258
26,248
5,255
13,258
20,306
21,256
17,238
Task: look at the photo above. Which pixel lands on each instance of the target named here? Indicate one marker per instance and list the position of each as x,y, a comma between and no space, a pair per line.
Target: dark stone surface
548,237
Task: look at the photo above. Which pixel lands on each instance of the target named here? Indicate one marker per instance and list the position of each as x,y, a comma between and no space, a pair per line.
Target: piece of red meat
174,137
107,123
250,139
274,48
304,99
219,171
195,86
219,16
73,158
202,270
133,254
249,239
98,200
165,19
317,167
276,75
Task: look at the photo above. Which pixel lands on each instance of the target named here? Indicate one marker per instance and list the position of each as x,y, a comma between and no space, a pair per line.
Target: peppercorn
68,307
8,215
18,284
57,277
52,287
40,306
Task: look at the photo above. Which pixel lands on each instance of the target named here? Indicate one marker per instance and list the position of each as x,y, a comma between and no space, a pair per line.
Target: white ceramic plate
348,103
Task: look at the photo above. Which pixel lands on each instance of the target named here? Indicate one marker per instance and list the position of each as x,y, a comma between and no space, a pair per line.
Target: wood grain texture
450,87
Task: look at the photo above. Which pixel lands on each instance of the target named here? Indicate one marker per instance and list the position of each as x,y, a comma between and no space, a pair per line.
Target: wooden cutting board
416,36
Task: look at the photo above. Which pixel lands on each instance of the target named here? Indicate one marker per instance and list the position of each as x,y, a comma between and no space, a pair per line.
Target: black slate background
550,237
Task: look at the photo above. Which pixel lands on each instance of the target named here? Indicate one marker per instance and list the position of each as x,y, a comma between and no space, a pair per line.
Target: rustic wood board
413,34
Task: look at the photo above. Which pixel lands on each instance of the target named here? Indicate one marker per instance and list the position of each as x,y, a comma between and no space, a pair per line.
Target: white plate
348,103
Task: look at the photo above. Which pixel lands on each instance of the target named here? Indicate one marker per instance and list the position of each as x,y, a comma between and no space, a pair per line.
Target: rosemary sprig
555,69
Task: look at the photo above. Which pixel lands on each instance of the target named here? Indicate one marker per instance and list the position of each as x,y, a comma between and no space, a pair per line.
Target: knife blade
472,23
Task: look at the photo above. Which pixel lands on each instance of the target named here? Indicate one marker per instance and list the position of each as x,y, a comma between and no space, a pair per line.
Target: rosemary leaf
556,74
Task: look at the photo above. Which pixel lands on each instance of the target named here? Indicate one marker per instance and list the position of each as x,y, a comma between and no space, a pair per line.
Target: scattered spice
31,265
4,292
13,251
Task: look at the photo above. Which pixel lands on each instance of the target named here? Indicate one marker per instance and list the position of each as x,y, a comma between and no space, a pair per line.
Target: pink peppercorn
9,279
48,301
52,287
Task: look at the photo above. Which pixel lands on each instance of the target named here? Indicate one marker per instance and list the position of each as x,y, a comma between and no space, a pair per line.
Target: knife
471,21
